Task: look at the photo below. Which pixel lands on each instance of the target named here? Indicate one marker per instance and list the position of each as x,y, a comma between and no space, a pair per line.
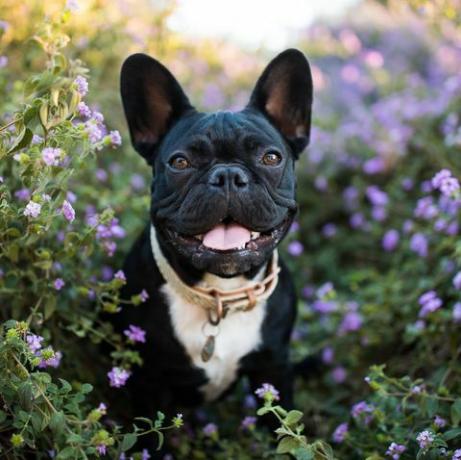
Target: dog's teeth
255,235
199,237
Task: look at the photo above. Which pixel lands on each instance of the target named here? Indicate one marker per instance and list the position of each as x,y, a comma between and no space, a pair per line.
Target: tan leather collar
218,302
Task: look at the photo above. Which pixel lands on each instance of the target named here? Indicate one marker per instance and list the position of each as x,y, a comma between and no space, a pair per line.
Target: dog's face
223,193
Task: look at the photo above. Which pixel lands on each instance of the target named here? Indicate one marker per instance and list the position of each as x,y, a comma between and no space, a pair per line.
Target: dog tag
208,348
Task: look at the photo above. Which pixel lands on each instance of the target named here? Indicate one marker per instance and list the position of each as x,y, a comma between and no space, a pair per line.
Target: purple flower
22,194
419,244
374,166
118,377
324,306
54,361
457,281
81,84
339,374
350,197
407,184
328,355
440,177
210,429
34,342
395,450
352,321
295,248
58,284
36,139
340,433
417,389
68,211
51,156
32,209
135,334
325,289
249,402
449,186
357,220
101,175
429,302
145,454
115,140
101,449
3,61
93,130
439,421
425,439
83,110
329,230
456,315
424,298
425,208
248,422
102,408
456,455
390,240
379,213
137,182
267,391
143,295
362,411
376,196
120,275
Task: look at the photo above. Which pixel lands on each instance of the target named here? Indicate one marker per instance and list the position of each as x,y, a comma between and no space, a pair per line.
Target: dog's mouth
229,237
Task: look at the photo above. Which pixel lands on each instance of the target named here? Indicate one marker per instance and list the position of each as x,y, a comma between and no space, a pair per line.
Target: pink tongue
227,237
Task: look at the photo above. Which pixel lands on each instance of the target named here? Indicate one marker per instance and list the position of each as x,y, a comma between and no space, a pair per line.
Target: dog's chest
239,334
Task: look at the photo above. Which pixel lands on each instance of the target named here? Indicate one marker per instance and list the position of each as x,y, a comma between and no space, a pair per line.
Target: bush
376,250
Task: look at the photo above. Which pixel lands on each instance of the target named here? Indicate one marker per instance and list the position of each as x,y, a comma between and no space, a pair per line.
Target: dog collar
218,302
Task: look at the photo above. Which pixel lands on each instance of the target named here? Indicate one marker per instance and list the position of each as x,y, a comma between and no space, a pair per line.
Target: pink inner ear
159,113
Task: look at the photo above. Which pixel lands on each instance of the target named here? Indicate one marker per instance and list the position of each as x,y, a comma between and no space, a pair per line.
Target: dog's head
223,191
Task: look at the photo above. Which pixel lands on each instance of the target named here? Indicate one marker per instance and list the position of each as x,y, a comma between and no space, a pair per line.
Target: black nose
232,177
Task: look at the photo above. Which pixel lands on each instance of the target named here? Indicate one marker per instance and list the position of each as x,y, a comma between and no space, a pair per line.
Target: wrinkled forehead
221,129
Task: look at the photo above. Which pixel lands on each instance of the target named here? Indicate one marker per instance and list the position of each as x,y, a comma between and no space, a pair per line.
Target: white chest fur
239,334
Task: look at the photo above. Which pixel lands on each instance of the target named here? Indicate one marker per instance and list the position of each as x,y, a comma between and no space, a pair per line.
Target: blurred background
373,232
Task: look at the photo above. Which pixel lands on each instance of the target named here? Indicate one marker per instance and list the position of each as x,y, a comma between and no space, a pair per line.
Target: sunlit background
256,23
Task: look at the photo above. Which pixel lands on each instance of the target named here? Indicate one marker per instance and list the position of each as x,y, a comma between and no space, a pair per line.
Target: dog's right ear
153,100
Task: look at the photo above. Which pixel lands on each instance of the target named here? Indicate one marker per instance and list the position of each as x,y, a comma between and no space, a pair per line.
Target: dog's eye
271,158
179,162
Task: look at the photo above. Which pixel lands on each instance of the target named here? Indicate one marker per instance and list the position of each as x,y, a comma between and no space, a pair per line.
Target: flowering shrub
375,252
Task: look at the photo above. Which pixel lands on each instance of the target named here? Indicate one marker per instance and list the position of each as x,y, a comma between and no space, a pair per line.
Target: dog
222,303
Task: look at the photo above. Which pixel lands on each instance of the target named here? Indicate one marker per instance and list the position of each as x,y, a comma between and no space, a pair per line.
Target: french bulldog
221,302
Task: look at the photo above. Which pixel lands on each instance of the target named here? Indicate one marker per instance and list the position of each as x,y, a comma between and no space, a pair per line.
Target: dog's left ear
283,94
153,100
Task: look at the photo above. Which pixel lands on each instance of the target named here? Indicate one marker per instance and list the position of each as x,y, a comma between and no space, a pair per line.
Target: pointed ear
283,94
153,100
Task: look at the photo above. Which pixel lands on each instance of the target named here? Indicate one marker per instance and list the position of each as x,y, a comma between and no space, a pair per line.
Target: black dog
221,304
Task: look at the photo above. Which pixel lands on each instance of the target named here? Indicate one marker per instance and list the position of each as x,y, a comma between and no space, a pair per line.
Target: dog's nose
232,177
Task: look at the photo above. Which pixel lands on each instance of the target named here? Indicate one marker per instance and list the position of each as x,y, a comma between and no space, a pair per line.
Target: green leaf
57,423
86,388
287,444
293,417
128,441
456,412
160,439
303,453
25,396
262,411
22,141
68,452
452,434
